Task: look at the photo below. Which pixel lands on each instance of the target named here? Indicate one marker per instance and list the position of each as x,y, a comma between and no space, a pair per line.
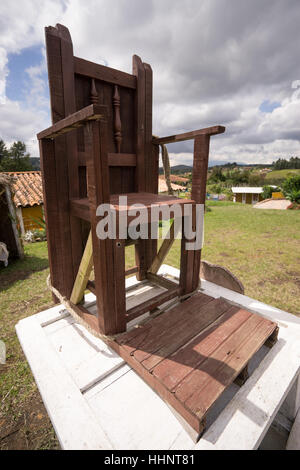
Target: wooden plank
84,272
163,250
50,197
134,337
91,286
199,177
96,151
151,162
154,350
119,284
273,338
189,135
117,119
161,281
151,253
130,271
86,315
104,73
151,335
74,121
62,223
13,219
200,167
203,386
183,264
80,208
109,283
138,71
140,259
67,64
242,377
151,304
122,159
174,368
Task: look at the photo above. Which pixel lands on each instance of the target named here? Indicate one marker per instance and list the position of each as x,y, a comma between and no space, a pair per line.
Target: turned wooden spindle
117,121
94,95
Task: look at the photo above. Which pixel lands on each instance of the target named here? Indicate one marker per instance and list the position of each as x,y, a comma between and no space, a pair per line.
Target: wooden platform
191,353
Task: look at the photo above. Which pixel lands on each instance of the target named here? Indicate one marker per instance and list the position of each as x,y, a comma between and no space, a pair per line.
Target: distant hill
35,162
222,163
177,169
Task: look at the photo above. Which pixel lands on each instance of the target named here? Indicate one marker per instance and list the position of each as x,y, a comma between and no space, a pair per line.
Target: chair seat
80,207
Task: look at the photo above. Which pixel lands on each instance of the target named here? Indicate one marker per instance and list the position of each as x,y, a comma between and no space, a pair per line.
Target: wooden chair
100,146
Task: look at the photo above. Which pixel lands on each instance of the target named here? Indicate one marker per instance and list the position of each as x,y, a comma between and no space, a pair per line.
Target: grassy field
261,247
278,176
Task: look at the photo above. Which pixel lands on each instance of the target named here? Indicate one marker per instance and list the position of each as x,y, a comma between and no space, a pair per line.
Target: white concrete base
96,401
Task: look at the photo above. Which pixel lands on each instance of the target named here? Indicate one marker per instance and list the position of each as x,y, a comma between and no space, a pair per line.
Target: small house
10,243
27,192
247,195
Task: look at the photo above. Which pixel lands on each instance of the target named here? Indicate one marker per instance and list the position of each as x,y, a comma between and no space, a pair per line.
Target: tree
268,190
283,164
217,175
3,150
16,159
291,188
254,179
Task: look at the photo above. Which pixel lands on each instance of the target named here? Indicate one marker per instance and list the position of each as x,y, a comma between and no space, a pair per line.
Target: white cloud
3,74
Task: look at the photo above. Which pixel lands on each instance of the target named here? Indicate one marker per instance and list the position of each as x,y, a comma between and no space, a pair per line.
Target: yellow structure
30,215
277,195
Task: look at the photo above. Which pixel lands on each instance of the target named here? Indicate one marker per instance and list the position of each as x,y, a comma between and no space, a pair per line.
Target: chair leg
119,285
140,259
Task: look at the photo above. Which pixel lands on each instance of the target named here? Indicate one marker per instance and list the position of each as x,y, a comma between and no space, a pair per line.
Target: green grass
23,292
261,247
280,175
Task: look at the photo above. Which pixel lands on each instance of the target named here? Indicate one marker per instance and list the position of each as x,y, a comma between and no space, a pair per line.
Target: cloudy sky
229,62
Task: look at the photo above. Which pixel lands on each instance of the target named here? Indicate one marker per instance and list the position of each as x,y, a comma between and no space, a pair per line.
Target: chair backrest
75,83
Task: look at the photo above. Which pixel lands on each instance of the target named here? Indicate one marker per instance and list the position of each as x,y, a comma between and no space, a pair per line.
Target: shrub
291,188
268,190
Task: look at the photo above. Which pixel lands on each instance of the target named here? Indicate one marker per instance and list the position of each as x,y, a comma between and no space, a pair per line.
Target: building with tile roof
27,193
162,186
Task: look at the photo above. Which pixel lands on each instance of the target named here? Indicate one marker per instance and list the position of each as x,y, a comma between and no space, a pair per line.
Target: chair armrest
189,135
89,113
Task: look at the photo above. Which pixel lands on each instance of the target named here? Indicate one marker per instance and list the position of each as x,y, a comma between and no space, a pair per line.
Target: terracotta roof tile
27,188
162,186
